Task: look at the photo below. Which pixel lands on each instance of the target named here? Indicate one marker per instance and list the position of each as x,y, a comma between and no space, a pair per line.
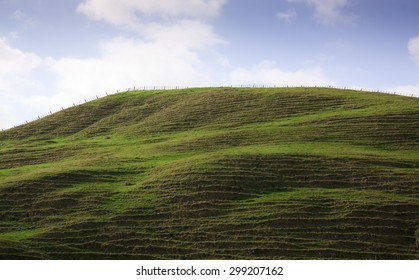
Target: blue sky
54,53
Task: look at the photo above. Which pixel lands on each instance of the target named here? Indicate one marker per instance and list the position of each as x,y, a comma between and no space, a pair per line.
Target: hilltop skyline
55,53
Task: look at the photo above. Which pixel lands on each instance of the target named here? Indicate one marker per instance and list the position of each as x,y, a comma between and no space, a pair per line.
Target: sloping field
215,173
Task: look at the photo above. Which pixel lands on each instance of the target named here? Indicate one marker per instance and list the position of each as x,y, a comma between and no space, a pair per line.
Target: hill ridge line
152,88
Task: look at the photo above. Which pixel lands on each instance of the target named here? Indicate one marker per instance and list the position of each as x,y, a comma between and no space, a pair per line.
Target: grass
215,173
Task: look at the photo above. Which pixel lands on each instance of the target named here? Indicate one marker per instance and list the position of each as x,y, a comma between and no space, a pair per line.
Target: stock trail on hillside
215,173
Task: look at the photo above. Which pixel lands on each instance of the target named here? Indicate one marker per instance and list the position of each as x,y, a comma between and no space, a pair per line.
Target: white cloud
17,81
327,11
167,53
16,69
413,47
267,73
288,16
14,61
124,12
161,59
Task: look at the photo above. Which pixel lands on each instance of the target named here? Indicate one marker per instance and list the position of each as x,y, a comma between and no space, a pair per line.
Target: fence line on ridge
152,88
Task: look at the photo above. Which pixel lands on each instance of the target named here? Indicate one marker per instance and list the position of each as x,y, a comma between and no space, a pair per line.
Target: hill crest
215,173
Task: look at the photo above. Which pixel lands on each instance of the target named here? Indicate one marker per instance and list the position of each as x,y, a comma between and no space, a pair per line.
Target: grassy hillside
215,173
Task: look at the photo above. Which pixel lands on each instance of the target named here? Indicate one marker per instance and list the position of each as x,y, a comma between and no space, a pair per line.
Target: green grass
215,173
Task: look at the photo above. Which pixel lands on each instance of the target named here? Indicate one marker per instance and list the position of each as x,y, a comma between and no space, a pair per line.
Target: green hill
215,173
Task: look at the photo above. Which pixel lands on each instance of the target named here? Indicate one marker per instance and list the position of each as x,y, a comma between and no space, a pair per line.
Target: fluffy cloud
17,79
167,52
161,59
327,11
16,70
125,12
14,62
267,73
413,47
172,39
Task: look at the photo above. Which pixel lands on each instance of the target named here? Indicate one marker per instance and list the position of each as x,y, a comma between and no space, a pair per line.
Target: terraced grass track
215,173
